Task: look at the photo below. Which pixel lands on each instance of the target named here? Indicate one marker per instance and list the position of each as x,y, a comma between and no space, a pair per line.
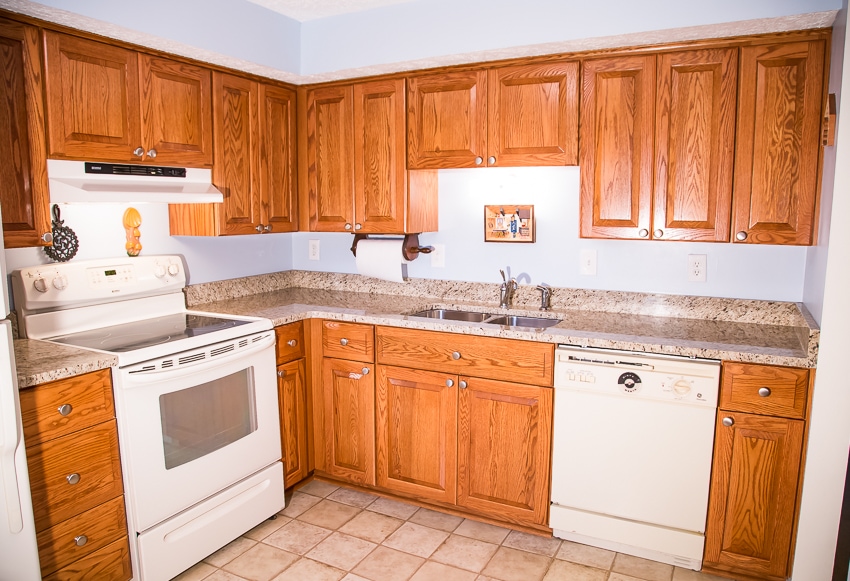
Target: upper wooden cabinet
509,116
254,163
356,178
777,158
24,196
107,103
657,143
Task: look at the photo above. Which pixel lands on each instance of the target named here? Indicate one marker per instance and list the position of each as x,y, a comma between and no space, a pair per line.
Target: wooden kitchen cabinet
106,103
356,178
75,478
523,115
254,163
778,151
292,400
24,195
755,477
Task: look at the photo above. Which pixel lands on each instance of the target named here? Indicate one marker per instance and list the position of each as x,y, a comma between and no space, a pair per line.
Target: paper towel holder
410,249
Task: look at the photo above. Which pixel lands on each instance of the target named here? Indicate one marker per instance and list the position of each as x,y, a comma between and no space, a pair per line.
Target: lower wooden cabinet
292,399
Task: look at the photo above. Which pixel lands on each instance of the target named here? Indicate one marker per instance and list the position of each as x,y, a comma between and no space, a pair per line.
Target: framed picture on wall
508,223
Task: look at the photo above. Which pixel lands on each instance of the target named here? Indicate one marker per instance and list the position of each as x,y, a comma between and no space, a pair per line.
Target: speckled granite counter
39,362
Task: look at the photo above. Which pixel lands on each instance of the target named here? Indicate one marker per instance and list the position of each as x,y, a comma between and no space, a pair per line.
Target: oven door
194,423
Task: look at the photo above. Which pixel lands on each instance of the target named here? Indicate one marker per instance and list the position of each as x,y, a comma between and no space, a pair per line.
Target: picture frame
509,223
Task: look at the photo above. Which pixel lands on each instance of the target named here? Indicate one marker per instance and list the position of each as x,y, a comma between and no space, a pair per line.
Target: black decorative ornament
65,243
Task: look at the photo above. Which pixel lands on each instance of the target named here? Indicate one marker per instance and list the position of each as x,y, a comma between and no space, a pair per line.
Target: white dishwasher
631,454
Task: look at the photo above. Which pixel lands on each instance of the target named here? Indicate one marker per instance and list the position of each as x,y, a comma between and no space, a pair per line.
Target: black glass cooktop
156,331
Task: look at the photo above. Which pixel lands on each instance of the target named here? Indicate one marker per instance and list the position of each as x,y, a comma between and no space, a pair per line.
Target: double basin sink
491,318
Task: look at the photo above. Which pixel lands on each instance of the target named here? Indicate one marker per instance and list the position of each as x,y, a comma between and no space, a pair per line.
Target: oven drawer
351,341
111,563
764,389
61,407
89,458
59,545
290,342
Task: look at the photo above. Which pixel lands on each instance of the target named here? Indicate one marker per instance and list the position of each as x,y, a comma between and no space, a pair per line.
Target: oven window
202,419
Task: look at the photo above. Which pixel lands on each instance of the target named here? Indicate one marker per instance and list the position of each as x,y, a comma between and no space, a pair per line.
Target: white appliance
18,548
83,181
195,400
631,454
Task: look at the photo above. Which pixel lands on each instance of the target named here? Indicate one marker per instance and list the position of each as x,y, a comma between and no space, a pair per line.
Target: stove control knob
159,271
40,284
682,386
173,269
60,282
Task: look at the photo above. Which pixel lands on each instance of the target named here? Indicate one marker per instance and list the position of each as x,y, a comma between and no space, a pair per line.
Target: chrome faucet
545,296
506,291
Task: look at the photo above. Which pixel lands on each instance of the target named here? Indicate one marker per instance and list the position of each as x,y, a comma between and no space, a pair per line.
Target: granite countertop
767,332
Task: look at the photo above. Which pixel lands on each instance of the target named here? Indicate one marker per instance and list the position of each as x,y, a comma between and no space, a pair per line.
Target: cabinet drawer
111,563
764,389
351,341
290,342
519,361
68,405
92,455
102,525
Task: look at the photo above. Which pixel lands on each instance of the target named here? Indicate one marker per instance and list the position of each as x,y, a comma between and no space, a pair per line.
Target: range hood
86,182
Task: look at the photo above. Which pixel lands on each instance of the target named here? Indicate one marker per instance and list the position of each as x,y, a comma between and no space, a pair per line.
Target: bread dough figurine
132,221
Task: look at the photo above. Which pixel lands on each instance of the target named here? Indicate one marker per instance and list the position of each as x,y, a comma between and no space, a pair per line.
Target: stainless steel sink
452,315
516,321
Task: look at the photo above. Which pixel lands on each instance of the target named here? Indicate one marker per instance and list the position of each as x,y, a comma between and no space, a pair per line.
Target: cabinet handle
455,355
47,237
764,392
491,160
462,384
152,153
365,371
81,540
658,233
450,382
259,228
741,236
65,409
728,422
479,160
643,232
347,226
73,478
267,228
358,226
139,151
343,341
281,374
292,342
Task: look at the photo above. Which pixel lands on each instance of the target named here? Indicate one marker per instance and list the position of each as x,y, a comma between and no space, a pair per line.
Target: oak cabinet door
504,444
292,399
753,495
92,99
447,120
330,177
533,115
778,143
176,112
416,426
694,145
237,161
24,195
379,172
277,178
616,150
349,420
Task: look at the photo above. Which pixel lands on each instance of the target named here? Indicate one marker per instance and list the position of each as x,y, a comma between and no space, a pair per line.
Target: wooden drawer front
522,361
348,341
88,399
290,342
93,455
102,525
111,563
742,389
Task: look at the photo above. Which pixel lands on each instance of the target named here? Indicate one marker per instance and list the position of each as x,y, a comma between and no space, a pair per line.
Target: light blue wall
742,271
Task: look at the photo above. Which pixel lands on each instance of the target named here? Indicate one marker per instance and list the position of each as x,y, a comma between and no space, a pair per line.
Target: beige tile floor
331,533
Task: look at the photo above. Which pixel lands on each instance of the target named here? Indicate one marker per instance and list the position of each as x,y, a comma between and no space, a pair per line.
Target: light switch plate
587,262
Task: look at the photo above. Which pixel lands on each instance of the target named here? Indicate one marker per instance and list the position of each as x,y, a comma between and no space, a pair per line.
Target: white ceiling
303,10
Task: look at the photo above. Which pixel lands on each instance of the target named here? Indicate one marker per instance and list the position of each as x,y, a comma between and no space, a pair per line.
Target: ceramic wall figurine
132,221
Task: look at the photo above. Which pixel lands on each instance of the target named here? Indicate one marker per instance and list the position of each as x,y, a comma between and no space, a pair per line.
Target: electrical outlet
313,251
696,267
438,256
587,262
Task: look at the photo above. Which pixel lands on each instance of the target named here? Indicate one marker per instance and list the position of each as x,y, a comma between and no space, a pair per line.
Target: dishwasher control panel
638,375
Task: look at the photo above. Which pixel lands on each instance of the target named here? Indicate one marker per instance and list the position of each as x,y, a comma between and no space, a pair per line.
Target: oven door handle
152,371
